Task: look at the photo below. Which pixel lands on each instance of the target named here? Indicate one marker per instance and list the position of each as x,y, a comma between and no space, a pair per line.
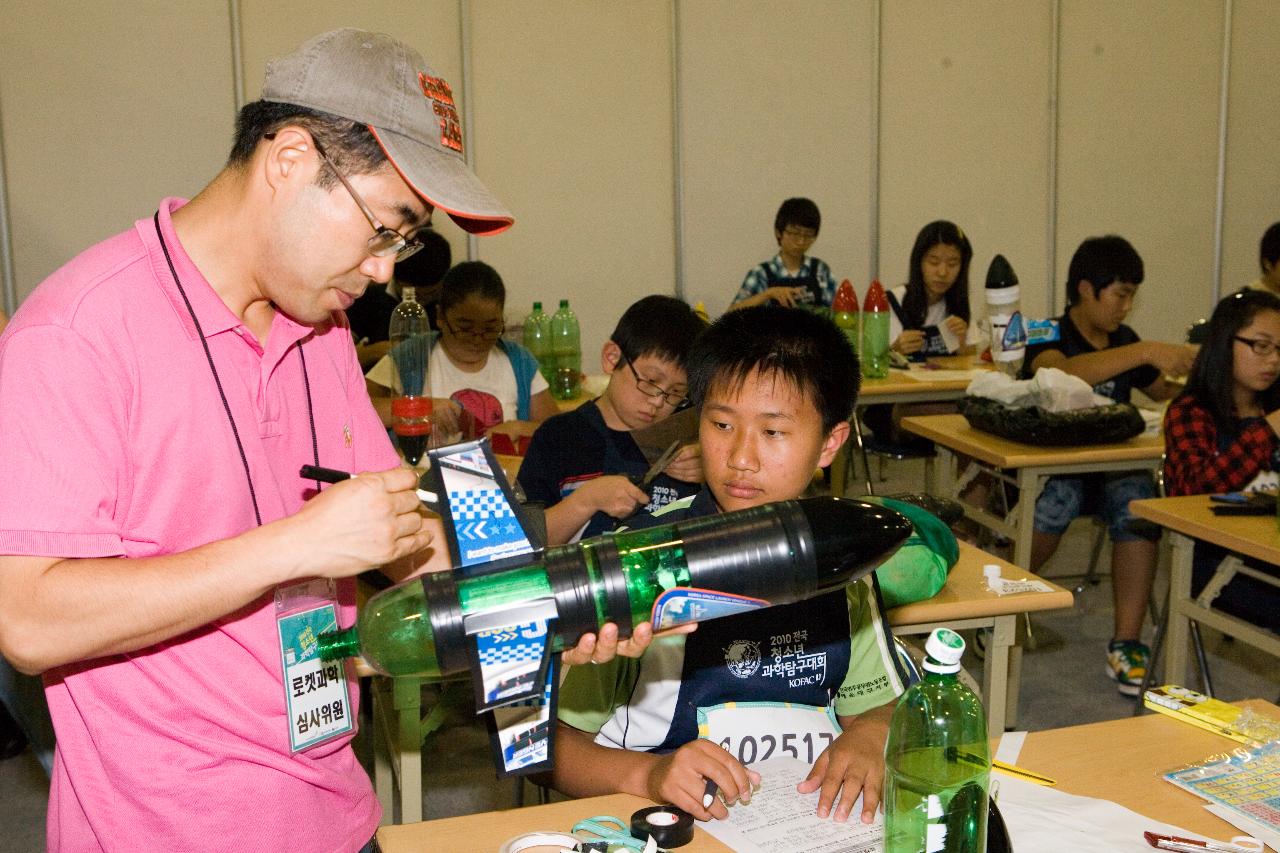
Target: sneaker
1127,665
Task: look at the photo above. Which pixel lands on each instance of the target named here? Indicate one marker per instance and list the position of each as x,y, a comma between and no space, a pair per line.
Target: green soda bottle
844,311
937,760
537,340
874,351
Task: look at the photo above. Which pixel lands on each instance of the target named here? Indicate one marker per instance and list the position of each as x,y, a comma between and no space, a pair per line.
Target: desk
965,602
1121,760
1187,519
944,382
1128,776
1033,466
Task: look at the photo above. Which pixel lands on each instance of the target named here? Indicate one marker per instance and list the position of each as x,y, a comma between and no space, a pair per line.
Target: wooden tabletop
921,378
966,596
1122,760
954,432
1254,536
490,830
1118,760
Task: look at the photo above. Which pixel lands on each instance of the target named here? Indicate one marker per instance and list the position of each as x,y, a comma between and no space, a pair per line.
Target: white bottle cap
945,647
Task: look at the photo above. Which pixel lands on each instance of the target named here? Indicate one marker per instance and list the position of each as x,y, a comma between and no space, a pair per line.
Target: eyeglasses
1259,346
487,332
384,241
653,389
802,234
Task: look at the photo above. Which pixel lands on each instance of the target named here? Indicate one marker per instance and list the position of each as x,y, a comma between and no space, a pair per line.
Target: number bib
757,731
317,704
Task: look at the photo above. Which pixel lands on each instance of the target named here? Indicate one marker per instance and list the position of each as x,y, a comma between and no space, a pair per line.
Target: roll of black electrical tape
667,825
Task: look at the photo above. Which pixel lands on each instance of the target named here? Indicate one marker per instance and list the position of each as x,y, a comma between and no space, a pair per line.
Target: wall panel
107,109
1253,176
1139,141
776,103
573,132
964,126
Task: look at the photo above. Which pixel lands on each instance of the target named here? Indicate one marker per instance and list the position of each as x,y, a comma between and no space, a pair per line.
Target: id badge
758,731
316,696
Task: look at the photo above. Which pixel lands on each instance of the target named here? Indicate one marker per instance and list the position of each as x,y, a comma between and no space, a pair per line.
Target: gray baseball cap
382,82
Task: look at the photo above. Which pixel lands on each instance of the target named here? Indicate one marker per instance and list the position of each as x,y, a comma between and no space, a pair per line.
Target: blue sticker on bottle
681,605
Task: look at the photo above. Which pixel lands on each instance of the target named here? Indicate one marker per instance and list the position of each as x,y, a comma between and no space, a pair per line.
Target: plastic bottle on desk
874,351
844,310
1008,329
566,350
537,340
937,760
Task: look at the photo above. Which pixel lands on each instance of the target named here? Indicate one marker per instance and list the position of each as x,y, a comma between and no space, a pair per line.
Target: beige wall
573,119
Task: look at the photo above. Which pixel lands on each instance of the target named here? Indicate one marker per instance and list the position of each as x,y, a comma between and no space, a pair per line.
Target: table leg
1175,640
408,749
1029,485
383,779
996,686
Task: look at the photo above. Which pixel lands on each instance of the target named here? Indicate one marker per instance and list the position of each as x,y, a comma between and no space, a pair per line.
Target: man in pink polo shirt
164,565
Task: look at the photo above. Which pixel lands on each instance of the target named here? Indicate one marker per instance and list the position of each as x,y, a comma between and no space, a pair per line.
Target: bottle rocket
1008,329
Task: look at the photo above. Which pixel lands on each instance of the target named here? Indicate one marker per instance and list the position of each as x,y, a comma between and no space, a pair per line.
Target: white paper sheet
781,820
1267,836
1041,818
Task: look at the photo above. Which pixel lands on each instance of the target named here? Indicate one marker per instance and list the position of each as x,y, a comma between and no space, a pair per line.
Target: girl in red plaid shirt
1221,431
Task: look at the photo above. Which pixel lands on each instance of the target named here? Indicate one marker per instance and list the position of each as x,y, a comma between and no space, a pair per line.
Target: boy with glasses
578,463
790,278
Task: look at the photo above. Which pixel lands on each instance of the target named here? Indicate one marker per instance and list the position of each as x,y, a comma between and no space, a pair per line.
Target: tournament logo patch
742,657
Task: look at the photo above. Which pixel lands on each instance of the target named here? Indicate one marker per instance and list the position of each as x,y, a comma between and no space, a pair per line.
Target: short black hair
349,144
800,212
427,266
662,326
804,348
468,278
1209,380
1269,249
1102,261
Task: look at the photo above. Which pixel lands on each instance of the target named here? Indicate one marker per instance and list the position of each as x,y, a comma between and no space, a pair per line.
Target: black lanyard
226,407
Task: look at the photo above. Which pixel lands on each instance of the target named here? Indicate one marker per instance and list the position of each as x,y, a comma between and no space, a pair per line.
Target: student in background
1269,261
1096,345
478,379
370,315
790,277
1221,432
931,311
930,316
578,462
776,388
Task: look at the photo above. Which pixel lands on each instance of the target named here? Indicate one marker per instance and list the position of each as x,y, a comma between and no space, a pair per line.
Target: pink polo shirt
116,443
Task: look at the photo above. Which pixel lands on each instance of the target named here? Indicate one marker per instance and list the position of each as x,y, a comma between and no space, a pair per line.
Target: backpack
917,570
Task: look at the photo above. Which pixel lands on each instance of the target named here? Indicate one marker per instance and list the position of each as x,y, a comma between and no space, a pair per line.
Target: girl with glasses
1221,432
476,377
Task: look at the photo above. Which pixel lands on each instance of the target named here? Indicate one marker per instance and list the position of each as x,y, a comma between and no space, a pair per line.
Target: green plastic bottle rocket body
777,553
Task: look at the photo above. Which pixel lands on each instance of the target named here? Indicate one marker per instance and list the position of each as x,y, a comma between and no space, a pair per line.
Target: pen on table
709,792
333,475
1003,766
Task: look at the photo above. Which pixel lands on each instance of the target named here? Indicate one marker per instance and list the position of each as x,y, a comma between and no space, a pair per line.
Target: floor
1063,683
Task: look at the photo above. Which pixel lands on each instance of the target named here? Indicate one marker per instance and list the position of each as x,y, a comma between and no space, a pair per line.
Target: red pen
1246,844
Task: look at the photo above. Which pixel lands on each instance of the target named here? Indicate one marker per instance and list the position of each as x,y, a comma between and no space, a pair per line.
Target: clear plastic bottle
937,760
409,336
874,351
1008,329
844,311
537,340
566,350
